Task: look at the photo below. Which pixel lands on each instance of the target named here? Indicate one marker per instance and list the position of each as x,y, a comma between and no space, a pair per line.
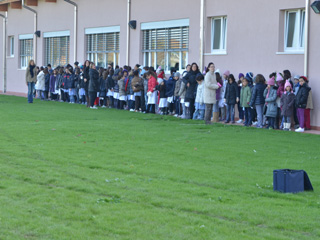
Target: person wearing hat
280,83
270,95
287,103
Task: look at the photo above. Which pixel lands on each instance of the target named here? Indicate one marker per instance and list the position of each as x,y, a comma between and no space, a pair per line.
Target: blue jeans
198,114
230,112
247,116
241,112
30,91
259,109
177,105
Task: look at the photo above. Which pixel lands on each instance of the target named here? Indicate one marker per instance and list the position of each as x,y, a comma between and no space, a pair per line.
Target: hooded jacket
302,96
191,79
94,85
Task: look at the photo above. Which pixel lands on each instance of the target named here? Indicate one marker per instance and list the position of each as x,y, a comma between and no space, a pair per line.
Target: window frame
24,59
11,46
92,55
150,56
299,30
223,35
49,40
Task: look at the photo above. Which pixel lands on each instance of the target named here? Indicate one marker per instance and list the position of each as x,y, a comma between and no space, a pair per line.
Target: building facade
240,36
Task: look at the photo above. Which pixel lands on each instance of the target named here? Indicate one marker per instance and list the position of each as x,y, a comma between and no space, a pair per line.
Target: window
57,50
103,48
11,46
219,34
294,30
166,47
26,52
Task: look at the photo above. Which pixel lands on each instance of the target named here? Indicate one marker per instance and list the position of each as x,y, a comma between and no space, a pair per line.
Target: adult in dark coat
94,85
86,80
191,83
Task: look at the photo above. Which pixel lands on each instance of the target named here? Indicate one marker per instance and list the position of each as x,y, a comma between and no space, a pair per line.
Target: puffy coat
46,82
182,91
102,84
152,83
129,85
69,81
302,96
200,94
76,80
82,83
40,82
110,83
245,96
287,101
162,89
170,87
257,97
28,75
86,75
94,85
210,88
191,79
271,103
177,88
137,84
231,93
122,87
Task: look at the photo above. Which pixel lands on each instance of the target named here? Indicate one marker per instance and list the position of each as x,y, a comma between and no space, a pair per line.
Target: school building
240,36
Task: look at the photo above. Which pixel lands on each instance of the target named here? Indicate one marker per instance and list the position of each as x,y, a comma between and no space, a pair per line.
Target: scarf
31,70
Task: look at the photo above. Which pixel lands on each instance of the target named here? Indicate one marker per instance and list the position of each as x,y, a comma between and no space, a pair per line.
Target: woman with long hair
31,79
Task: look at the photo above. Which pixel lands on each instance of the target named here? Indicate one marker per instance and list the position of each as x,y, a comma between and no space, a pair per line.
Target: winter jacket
94,85
183,90
245,96
28,75
231,93
137,84
40,81
272,107
81,79
60,81
257,94
46,82
129,85
162,89
302,96
122,87
102,84
200,94
76,81
191,79
116,85
53,83
296,88
309,102
287,101
170,87
280,90
68,81
152,83
177,88
210,88
110,83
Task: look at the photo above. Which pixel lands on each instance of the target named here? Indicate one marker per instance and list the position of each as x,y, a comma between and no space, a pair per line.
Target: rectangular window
11,46
103,48
26,52
219,34
166,47
57,50
294,30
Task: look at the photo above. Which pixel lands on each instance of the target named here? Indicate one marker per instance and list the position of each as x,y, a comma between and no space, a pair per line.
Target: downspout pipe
306,39
128,32
201,34
75,28
4,50
35,26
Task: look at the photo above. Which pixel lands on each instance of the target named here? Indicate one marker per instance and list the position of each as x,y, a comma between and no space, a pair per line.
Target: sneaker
254,123
131,110
300,130
94,107
239,121
176,115
103,107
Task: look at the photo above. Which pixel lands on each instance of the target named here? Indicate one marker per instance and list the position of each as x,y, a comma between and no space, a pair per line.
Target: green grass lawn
68,172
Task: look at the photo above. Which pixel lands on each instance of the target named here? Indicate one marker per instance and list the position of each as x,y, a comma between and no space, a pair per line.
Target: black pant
151,108
137,102
143,102
122,104
191,107
92,97
208,113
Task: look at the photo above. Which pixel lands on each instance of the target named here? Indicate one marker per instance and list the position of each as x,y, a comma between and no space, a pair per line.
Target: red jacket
152,83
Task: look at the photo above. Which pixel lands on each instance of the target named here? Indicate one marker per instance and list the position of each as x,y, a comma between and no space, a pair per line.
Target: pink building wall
254,36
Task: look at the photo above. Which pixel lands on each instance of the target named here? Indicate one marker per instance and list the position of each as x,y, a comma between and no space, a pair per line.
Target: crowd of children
276,103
